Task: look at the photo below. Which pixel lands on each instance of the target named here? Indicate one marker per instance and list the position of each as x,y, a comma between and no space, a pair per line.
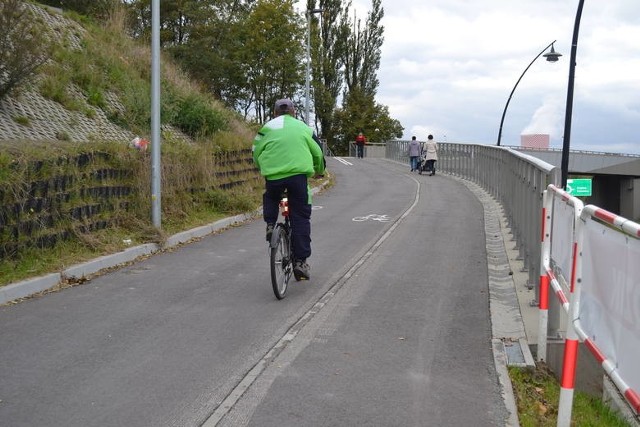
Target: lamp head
552,56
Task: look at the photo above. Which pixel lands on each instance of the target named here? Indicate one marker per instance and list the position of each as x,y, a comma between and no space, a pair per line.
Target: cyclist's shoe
269,231
301,270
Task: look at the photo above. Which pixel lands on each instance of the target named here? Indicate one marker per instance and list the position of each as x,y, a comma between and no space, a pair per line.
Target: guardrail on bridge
517,181
587,254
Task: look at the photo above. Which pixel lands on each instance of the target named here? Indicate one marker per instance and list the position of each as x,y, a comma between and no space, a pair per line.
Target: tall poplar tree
360,112
329,44
363,51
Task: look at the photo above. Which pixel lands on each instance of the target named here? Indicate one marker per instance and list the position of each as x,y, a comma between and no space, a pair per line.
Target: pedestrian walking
430,154
414,153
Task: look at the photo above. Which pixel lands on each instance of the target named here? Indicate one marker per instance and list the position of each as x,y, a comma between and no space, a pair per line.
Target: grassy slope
97,70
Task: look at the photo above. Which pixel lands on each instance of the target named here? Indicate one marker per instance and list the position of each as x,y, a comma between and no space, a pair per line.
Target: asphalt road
393,329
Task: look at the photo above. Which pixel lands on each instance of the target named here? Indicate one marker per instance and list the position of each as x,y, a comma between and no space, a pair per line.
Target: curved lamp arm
514,88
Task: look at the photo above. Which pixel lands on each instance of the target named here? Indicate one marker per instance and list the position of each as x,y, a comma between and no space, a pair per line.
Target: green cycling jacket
284,147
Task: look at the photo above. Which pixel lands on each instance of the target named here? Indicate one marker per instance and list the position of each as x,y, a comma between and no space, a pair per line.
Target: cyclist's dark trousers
299,210
360,150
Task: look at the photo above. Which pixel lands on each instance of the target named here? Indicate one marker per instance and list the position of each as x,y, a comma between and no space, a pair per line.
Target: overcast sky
448,67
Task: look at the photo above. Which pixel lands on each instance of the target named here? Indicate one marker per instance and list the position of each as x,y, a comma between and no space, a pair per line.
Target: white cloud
448,67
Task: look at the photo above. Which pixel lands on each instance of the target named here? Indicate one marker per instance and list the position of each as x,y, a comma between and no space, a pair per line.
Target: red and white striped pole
568,379
570,360
545,259
547,276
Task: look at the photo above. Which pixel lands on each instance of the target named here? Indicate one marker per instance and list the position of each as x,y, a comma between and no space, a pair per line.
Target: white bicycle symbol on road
372,217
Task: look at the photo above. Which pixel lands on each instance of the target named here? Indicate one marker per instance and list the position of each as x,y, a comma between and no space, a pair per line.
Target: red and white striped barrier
605,304
564,222
594,254
609,284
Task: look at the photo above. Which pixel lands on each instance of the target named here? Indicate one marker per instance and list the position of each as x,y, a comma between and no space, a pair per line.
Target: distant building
535,140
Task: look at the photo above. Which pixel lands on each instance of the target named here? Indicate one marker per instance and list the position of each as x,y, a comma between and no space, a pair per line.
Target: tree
178,18
204,38
360,112
382,127
363,52
211,54
248,53
24,45
328,50
270,54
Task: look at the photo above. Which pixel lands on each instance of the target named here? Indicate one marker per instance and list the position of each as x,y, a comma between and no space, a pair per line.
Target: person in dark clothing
361,140
414,153
287,154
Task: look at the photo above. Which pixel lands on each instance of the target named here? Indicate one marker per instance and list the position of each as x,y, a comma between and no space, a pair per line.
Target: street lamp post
566,141
156,178
552,56
308,74
565,403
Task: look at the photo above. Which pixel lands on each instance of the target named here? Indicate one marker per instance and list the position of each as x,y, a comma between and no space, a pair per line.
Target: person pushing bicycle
286,152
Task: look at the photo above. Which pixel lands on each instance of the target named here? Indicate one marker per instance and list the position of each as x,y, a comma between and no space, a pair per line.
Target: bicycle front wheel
281,262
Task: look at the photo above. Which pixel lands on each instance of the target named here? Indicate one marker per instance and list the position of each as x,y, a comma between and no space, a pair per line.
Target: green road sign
579,187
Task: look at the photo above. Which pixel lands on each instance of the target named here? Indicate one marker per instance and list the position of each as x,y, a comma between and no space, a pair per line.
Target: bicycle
281,251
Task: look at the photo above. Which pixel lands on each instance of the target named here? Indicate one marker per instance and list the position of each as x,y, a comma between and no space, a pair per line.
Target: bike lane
404,339
163,341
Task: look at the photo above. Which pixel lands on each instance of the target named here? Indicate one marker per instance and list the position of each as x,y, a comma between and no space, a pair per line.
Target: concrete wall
374,149
589,373
630,198
617,194
604,194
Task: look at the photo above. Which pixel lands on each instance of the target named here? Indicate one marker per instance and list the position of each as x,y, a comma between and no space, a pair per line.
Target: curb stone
80,272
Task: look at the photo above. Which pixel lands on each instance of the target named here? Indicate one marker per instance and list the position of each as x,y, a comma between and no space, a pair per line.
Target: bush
23,45
195,117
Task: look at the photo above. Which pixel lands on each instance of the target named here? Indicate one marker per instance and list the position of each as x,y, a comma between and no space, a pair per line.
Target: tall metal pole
566,143
504,112
567,380
155,115
307,75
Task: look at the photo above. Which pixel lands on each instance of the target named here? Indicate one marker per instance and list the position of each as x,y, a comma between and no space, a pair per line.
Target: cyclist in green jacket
287,153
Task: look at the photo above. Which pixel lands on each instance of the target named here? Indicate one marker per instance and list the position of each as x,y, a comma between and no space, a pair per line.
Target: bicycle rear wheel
281,262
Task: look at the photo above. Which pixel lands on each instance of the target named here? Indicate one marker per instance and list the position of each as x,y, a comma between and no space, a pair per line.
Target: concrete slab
28,287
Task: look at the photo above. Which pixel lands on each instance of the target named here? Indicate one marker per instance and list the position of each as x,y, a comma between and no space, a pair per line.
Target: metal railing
573,151
516,180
